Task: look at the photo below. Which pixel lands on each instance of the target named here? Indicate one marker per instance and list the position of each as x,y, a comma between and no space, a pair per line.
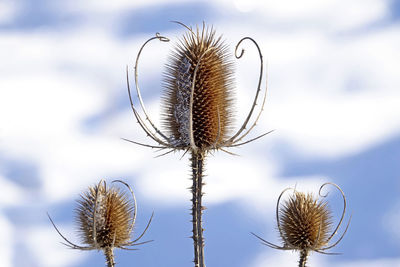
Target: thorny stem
303,258
109,253
197,160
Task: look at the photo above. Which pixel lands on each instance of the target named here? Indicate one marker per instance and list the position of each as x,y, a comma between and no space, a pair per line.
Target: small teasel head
105,219
105,216
305,223
198,97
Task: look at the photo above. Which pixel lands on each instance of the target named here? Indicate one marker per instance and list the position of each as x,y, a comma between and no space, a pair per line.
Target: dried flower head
200,60
305,223
105,218
198,98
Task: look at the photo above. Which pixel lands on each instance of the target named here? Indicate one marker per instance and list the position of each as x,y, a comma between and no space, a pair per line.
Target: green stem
197,161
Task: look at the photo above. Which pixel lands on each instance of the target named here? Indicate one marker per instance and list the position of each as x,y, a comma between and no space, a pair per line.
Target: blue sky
333,101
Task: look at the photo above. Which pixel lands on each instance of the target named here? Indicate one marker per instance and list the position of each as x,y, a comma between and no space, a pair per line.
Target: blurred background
333,100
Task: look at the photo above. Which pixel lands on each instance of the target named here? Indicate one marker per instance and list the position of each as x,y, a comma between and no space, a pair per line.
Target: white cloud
331,125
324,91
48,95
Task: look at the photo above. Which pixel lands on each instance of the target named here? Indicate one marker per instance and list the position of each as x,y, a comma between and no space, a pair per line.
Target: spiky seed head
212,93
305,222
107,213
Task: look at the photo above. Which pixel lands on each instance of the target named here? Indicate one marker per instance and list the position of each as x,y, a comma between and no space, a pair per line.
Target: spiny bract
305,222
106,213
200,61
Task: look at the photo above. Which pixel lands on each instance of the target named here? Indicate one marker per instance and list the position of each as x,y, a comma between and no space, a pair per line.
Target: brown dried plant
305,223
198,108
105,219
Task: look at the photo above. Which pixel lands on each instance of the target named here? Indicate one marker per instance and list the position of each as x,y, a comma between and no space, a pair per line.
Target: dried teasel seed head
105,217
305,222
199,72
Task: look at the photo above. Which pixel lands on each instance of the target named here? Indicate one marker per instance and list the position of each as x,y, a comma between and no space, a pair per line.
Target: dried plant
198,108
105,218
304,224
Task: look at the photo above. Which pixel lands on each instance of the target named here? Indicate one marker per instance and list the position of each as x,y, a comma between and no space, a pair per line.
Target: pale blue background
67,59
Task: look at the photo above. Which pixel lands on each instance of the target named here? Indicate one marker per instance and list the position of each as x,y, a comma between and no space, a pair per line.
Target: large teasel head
105,218
198,100
198,81
305,223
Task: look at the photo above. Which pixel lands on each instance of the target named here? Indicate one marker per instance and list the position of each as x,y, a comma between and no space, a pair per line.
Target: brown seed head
305,222
105,217
212,90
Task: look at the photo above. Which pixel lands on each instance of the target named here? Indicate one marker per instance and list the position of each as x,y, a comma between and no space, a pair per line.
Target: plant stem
303,258
109,253
197,161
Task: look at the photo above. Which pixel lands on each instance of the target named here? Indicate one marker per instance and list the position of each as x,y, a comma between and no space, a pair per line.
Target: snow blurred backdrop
333,101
